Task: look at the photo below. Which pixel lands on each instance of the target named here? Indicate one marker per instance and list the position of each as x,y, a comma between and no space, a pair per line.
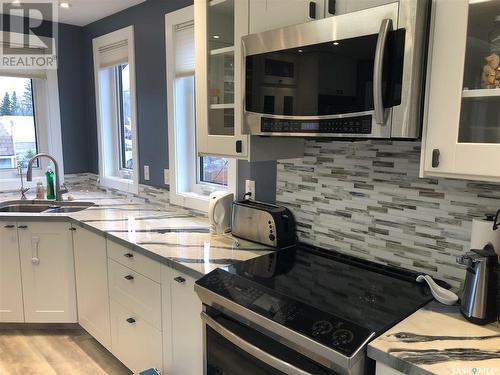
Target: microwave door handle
251,349
378,68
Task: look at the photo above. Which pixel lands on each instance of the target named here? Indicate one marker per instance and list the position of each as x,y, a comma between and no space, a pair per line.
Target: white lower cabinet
91,271
386,370
135,342
11,294
183,349
48,274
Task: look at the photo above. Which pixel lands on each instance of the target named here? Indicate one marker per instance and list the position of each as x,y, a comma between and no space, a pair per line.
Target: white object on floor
441,294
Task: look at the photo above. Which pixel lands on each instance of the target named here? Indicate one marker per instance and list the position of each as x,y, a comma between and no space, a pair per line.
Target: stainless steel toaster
264,223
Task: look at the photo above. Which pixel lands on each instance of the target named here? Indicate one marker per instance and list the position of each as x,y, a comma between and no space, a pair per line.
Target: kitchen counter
172,235
438,340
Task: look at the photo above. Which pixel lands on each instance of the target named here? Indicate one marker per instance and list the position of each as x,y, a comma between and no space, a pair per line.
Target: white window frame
197,197
113,177
47,118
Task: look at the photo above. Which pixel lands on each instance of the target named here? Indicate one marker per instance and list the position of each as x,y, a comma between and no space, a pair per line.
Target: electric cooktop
336,300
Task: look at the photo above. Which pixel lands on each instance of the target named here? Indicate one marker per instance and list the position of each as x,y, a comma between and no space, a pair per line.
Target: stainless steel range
301,311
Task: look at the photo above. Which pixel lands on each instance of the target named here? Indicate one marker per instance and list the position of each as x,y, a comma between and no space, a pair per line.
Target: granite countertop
169,234
438,340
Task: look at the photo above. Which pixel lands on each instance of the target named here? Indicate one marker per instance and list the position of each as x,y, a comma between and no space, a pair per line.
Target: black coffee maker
480,299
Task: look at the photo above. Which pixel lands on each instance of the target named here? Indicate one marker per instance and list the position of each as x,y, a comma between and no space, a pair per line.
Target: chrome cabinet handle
9,226
35,241
378,68
129,277
128,255
180,279
251,349
23,227
131,320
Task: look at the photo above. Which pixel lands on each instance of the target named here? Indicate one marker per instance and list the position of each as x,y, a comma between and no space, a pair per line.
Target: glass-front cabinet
219,26
462,123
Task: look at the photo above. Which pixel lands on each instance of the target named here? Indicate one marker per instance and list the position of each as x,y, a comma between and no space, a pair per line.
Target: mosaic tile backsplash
366,199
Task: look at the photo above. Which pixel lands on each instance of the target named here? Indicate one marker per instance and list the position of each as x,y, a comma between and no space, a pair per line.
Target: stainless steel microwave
356,75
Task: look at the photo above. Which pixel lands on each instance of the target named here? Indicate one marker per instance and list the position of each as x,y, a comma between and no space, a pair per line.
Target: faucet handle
63,189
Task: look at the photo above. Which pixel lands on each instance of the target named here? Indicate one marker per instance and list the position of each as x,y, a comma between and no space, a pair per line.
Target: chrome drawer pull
131,320
128,255
129,277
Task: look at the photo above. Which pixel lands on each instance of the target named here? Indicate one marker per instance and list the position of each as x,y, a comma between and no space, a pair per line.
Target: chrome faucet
23,190
59,191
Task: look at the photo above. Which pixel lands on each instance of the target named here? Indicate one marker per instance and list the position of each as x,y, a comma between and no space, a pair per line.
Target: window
192,178
115,93
18,141
213,170
29,121
122,77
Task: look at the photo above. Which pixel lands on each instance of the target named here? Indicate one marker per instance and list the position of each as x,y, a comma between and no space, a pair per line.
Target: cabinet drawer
138,262
136,292
134,341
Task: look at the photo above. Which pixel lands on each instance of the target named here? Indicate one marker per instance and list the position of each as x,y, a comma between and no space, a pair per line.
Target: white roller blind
22,72
113,54
184,49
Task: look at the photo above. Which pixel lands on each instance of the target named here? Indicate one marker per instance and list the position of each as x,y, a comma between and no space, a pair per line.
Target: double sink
43,206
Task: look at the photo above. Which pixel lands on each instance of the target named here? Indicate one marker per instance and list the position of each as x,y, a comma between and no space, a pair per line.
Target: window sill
190,200
118,183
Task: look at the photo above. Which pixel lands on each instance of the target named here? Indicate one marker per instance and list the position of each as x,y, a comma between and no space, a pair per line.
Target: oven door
232,348
343,76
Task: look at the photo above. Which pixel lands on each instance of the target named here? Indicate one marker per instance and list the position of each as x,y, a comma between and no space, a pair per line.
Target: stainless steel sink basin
42,206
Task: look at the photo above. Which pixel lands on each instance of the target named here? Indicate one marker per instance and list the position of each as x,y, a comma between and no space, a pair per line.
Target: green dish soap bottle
50,183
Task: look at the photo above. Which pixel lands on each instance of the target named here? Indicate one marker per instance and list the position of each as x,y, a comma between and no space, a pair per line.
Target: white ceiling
83,12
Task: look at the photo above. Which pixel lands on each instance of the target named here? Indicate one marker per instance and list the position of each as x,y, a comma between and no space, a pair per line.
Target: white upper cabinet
48,272
348,6
271,14
462,122
219,26
11,294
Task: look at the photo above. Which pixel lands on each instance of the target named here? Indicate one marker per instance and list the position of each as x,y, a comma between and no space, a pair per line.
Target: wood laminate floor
55,352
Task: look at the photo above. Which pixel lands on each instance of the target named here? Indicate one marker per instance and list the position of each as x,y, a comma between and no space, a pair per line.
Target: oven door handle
251,349
378,69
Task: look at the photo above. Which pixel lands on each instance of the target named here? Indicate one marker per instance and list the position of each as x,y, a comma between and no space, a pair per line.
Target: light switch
146,172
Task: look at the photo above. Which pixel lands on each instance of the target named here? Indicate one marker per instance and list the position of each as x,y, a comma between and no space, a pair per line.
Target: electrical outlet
250,188
146,172
166,176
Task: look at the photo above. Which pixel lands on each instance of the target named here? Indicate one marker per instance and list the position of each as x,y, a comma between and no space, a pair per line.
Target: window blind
7,49
184,49
113,54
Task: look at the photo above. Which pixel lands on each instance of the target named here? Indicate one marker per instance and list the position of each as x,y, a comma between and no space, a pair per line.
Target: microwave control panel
346,125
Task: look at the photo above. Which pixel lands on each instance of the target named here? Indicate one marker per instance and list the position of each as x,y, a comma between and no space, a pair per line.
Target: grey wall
148,20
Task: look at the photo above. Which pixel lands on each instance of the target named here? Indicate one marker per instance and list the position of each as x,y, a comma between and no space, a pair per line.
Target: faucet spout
29,173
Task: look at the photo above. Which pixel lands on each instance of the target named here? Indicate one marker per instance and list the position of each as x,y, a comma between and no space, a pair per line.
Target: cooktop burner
336,300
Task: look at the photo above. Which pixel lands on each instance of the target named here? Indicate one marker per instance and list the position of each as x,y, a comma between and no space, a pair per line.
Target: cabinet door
11,295
349,6
48,273
273,14
186,330
383,369
463,117
136,343
92,284
218,29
